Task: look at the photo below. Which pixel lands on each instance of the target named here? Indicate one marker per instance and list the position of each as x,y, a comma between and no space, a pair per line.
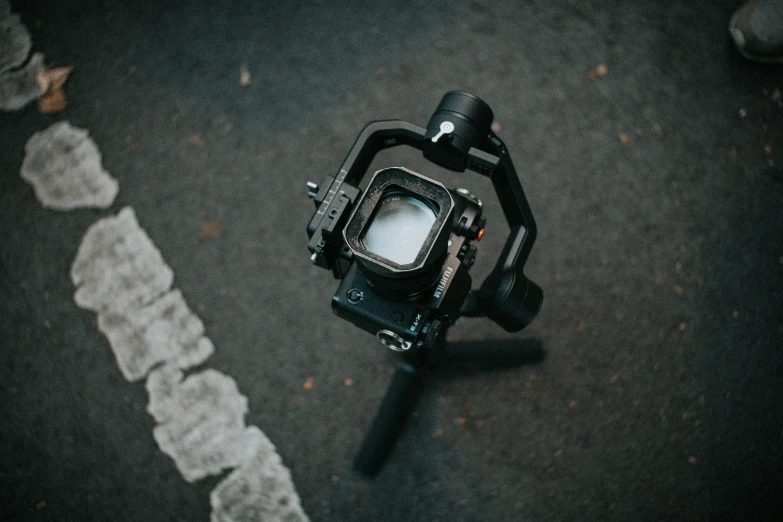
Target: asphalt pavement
648,388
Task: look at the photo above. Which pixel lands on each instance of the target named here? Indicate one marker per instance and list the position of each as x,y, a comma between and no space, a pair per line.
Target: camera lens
399,227
399,232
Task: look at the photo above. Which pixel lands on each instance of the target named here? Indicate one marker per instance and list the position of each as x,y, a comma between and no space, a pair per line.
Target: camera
410,238
403,246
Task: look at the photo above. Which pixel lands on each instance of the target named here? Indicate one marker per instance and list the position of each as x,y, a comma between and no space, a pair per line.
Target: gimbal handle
459,137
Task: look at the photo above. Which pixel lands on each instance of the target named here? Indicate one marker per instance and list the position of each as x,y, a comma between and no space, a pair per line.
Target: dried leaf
599,71
52,79
197,139
52,102
309,384
133,145
462,421
624,138
63,164
209,230
615,376
244,75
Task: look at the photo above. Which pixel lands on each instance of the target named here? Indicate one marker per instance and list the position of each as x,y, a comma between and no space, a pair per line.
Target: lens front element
399,227
398,233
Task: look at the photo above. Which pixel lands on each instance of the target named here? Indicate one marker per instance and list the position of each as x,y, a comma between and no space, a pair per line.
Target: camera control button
312,190
470,255
393,341
354,296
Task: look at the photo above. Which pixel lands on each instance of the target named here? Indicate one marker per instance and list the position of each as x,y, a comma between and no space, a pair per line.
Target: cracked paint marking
260,489
64,167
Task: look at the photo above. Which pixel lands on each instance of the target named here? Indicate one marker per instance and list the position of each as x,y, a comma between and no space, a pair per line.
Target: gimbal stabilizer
416,284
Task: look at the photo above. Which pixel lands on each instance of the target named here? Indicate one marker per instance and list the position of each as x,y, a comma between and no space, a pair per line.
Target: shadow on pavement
471,357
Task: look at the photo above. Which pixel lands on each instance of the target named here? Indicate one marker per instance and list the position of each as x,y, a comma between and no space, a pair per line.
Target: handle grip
397,405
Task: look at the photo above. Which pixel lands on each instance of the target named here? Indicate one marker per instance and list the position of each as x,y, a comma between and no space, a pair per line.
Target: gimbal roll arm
507,296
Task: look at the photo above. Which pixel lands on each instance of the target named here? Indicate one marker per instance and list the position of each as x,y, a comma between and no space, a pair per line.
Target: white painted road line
64,167
17,85
164,331
201,420
117,267
121,275
15,42
260,489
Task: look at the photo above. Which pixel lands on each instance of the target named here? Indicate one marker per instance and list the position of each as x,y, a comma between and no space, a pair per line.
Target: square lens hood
400,182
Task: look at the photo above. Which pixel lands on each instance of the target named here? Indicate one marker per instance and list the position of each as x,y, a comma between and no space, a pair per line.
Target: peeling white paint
163,331
201,420
259,489
15,42
117,267
121,275
64,167
19,87
17,81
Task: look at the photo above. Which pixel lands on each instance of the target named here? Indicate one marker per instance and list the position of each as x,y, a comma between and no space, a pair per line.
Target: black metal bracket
458,138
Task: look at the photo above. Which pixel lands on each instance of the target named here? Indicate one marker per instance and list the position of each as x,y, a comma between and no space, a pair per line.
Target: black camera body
404,245
401,311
